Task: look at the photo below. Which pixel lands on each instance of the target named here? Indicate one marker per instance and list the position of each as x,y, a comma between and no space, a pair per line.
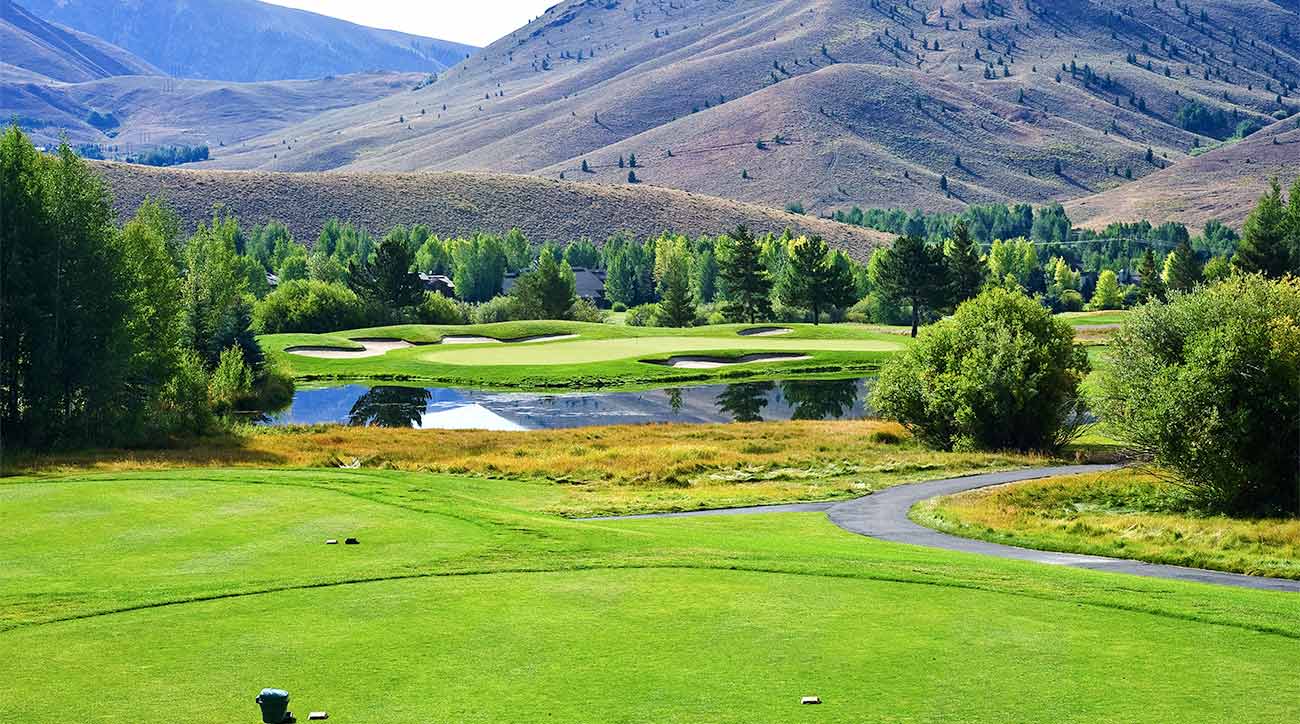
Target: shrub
183,405
307,305
642,316
619,307
1071,301
1207,388
231,384
1001,373
497,309
586,311
437,309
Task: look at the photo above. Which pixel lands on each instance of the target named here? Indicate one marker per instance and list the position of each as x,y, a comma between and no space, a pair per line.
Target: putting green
584,356
581,351
127,597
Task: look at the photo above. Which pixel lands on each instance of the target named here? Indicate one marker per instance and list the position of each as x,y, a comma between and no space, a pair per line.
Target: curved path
884,515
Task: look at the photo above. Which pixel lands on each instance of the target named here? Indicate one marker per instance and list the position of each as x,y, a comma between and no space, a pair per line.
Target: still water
464,409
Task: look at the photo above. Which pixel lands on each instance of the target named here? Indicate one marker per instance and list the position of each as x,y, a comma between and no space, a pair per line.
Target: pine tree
813,281
1151,286
548,291
1263,247
631,177
747,284
1182,268
677,303
966,268
912,272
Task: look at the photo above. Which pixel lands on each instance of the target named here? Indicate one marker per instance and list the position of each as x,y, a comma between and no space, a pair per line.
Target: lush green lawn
1086,319
222,585
601,355
1125,514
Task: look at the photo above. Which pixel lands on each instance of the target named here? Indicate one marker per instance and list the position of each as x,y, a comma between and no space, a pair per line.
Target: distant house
588,283
438,283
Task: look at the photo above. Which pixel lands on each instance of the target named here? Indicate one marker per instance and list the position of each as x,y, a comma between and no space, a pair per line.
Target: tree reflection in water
820,399
390,407
745,401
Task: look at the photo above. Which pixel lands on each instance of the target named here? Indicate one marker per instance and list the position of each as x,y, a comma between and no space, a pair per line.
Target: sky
477,22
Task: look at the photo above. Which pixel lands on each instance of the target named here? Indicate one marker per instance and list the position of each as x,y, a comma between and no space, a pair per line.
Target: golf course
573,355
191,589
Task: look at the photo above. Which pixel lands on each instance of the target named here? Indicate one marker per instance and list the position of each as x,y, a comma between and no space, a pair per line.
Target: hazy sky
477,22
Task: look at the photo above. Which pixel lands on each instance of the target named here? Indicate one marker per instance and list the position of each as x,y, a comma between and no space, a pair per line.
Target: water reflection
390,407
745,401
820,399
436,407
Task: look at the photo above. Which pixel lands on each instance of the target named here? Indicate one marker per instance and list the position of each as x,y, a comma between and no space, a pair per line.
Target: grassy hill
246,40
1222,184
459,203
154,110
50,51
873,104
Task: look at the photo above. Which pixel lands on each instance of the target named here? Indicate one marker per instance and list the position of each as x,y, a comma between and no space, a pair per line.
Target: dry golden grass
595,470
1122,514
459,204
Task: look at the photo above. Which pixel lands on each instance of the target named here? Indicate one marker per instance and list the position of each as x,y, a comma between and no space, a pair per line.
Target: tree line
115,335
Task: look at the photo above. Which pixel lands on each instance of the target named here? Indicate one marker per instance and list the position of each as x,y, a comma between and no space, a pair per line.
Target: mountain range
1166,110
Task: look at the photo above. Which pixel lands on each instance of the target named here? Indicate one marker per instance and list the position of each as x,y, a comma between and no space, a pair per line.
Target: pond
465,409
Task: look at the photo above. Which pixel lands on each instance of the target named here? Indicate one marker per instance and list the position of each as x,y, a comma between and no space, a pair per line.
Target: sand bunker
369,348
700,362
477,339
764,331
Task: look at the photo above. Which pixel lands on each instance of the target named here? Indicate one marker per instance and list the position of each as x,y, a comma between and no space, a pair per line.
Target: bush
1001,373
231,384
307,305
585,311
1207,388
437,309
1071,301
619,307
183,406
497,309
642,316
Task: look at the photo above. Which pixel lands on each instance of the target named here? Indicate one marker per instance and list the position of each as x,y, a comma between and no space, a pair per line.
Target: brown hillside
159,111
1222,184
874,110
458,204
59,53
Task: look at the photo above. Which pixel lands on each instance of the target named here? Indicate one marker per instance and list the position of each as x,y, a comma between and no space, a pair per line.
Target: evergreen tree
548,291
1150,285
1182,269
966,268
388,280
913,272
677,305
811,281
704,275
1263,247
748,284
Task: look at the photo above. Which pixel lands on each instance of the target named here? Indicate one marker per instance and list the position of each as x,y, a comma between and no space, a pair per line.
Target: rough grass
127,594
593,471
1124,514
602,355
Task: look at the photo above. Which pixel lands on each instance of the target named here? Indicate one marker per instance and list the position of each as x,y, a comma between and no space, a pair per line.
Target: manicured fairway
709,619
591,355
